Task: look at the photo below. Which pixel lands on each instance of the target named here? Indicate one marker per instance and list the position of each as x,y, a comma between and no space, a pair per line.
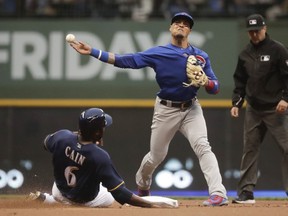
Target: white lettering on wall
4,40
121,43
37,56
56,56
75,68
29,51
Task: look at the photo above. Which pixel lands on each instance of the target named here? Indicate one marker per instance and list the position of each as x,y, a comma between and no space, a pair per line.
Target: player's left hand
196,76
282,107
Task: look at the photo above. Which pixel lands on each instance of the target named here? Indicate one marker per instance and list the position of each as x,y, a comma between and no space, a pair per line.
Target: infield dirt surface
21,207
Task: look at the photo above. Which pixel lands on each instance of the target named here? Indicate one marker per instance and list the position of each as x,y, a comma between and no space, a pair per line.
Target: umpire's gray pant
256,125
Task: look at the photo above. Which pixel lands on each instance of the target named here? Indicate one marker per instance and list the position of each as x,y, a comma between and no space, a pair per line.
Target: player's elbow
122,195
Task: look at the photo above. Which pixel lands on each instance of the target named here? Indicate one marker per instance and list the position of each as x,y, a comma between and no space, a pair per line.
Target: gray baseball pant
191,123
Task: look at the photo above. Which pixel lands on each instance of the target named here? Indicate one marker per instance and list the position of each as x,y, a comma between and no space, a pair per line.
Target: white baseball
70,38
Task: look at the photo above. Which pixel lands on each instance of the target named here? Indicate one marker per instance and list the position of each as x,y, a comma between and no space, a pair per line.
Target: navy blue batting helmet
92,120
183,15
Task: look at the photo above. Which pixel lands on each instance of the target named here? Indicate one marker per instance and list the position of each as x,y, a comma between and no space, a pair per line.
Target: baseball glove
195,74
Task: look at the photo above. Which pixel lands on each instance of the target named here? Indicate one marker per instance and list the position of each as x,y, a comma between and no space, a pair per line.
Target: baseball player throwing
181,69
83,171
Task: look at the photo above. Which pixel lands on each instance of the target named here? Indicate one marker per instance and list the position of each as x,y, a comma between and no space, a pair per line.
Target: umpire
261,76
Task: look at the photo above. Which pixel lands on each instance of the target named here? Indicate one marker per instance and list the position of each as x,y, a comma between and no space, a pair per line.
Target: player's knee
201,148
156,158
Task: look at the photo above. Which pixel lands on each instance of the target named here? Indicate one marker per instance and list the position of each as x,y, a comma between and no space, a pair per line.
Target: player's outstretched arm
125,196
138,201
86,49
153,202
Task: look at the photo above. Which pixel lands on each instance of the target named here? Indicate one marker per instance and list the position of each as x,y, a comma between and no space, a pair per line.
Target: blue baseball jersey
169,64
79,169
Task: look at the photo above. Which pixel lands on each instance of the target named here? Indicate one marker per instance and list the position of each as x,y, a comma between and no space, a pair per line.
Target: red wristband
210,85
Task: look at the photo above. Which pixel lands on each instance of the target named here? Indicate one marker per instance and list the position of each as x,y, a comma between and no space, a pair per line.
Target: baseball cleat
245,197
216,200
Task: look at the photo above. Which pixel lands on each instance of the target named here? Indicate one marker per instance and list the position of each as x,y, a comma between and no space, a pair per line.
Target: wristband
99,54
210,85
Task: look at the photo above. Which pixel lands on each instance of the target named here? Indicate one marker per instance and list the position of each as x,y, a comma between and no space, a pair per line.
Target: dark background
22,131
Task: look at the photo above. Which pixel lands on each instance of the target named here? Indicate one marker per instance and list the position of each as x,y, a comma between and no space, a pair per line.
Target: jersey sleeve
108,174
208,69
122,194
136,60
204,60
240,79
115,184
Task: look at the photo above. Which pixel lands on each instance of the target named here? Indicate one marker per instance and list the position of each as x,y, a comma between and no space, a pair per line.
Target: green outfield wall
37,66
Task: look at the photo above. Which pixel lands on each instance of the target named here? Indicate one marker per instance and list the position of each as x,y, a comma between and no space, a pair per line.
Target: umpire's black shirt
261,75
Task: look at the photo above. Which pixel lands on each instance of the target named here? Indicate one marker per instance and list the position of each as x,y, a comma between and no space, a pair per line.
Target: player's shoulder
99,155
198,51
103,152
62,134
157,48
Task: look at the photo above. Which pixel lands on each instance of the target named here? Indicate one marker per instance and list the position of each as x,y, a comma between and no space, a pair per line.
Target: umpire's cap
93,119
255,22
183,15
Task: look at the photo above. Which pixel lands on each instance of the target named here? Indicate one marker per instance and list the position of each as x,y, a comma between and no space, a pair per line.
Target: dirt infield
22,207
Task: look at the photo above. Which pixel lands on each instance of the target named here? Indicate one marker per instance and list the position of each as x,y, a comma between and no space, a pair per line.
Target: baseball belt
177,104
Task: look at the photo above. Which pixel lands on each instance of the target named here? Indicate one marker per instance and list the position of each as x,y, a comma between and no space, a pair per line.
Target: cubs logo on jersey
201,61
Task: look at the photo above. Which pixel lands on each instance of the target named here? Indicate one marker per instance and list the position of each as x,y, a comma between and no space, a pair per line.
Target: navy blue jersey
169,64
79,169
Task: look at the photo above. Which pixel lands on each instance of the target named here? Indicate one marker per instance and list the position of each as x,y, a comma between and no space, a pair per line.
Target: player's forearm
103,56
138,201
124,195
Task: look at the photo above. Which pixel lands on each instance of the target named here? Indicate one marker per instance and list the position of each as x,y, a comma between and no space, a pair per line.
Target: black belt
182,105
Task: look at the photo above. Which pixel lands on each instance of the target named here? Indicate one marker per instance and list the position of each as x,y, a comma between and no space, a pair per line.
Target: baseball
70,38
